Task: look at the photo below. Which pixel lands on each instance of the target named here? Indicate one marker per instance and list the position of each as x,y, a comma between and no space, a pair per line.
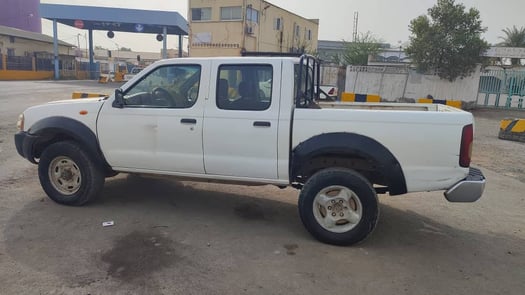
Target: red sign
79,24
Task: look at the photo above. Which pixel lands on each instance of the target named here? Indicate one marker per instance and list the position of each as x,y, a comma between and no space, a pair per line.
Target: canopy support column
91,61
55,49
180,45
165,42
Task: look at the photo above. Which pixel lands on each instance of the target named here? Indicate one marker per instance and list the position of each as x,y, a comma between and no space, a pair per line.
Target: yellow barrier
425,100
452,103
373,98
25,75
353,97
512,129
347,96
76,95
103,79
513,125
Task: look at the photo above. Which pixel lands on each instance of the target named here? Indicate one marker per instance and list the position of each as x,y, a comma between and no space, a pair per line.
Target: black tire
81,180
362,190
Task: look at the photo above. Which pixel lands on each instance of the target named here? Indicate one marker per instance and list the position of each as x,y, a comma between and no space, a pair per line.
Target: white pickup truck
208,119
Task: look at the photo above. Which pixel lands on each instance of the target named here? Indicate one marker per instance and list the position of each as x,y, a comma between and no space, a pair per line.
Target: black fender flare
48,128
343,143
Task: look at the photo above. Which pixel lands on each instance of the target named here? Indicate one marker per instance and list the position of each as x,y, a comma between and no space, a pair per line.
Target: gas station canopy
114,19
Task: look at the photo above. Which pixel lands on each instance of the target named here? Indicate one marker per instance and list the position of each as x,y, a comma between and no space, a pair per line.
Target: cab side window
244,87
173,86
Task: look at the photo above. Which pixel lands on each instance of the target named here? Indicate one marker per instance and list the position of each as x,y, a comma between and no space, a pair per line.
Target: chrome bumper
469,189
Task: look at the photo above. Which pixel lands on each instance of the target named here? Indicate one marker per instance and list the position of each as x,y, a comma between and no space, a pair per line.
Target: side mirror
119,99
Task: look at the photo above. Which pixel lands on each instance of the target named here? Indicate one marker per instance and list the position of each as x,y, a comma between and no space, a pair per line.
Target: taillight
465,151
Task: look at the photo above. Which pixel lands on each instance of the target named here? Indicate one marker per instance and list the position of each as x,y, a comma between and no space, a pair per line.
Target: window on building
244,87
297,30
10,52
252,15
231,13
308,35
278,24
201,14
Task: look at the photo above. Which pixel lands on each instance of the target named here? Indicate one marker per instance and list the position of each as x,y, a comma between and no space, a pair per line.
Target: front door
241,117
160,126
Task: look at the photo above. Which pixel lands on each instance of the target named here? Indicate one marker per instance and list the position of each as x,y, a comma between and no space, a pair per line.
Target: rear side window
244,87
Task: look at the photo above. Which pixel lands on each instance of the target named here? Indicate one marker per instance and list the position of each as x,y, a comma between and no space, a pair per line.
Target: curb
355,97
512,129
452,103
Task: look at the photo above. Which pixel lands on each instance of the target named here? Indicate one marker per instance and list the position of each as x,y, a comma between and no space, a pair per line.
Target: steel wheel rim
64,175
337,209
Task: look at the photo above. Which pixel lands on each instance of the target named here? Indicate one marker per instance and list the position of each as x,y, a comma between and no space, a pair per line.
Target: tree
514,37
448,40
357,52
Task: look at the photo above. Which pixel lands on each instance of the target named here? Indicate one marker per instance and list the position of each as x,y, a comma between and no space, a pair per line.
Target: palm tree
514,37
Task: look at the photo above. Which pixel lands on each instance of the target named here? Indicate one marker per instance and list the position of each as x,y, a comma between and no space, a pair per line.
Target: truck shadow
164,224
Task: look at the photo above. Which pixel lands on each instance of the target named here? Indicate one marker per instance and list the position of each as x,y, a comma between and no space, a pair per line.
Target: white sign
204,37
508,52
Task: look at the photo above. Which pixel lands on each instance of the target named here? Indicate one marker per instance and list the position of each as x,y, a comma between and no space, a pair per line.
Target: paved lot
174,237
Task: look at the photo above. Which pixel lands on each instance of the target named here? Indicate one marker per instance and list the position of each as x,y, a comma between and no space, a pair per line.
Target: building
16,42
29,55
332,51
23,15
230,27
391,57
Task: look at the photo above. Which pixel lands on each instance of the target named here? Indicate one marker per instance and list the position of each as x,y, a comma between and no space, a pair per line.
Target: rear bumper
469,189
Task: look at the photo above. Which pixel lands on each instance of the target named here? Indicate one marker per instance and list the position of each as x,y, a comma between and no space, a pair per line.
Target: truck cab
193,117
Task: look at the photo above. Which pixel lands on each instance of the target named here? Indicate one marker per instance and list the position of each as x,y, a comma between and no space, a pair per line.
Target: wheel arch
54,129
349,150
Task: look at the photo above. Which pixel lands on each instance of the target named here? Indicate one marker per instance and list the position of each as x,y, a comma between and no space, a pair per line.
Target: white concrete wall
390,85
329,75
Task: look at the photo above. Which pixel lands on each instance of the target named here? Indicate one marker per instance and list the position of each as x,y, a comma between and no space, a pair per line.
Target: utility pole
356,21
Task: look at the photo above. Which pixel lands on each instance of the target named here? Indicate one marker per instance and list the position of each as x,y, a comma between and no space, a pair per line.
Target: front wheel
68,175
338,206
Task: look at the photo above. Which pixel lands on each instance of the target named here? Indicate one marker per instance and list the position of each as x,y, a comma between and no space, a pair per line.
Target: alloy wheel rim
337,209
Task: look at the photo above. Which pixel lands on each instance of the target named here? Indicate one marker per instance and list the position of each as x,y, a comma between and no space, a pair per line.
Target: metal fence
19,63
44,64
502,88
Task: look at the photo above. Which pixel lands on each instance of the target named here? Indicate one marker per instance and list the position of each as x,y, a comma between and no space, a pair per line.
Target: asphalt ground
173,237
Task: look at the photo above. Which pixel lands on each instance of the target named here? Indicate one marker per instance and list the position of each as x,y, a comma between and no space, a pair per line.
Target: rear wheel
68,175
338,206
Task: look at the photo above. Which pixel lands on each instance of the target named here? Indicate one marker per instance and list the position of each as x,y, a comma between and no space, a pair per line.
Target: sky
387,20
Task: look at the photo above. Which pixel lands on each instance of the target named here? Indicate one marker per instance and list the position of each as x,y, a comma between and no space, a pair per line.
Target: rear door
241,119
